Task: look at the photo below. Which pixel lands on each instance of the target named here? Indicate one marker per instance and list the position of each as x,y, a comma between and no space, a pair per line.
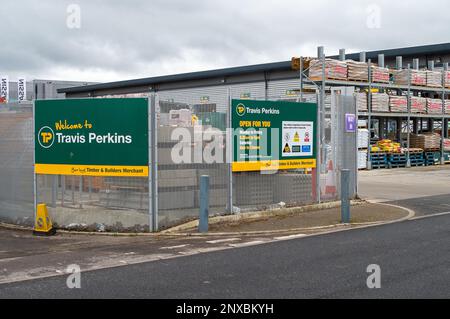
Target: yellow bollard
43,225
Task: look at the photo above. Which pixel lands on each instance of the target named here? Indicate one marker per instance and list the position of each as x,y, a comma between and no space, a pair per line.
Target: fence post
345,201
229,156
35,188
153,165
204,204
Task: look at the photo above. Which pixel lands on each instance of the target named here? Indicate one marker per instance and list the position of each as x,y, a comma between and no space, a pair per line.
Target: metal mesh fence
16,165
191,133
96,203
191,141
178,179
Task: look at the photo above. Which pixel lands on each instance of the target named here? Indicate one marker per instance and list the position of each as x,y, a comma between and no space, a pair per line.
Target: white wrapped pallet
434,79
418,104
334,69
380,75
434,106
361,101
380,102
398,103
363,138
362,159
357,71
418,77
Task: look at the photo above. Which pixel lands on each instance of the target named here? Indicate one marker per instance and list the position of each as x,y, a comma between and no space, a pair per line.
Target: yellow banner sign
273,165
92,170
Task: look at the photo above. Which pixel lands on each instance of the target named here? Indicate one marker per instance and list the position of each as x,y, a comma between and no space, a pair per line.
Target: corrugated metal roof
267,67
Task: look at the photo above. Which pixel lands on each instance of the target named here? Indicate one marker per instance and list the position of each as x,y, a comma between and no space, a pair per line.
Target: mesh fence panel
189,147
16,165
191,131
178,182
96,203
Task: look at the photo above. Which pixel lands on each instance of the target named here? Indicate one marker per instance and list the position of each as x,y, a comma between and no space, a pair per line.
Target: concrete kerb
333,228
280,212
178,231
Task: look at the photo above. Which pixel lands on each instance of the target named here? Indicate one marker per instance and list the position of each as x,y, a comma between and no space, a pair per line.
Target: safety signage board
273,135
297,138
93,137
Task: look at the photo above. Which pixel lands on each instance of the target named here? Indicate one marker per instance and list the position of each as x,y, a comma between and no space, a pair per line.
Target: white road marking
175,247
250,243
428,216
226,240
289,237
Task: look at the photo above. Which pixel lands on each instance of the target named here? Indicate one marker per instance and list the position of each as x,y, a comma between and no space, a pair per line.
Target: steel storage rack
409,89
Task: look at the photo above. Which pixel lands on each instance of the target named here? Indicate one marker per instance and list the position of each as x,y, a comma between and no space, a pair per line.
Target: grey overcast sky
113,40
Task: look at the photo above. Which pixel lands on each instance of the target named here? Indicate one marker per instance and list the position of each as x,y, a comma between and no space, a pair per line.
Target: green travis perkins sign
273,135
97,137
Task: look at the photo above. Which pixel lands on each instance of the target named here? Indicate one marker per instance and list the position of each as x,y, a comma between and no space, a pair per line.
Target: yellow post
43,225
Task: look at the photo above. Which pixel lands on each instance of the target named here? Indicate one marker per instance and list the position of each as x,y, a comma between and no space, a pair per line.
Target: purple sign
350,123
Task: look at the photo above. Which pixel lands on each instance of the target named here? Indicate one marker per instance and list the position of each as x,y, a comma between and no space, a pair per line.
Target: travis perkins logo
46,137
240,109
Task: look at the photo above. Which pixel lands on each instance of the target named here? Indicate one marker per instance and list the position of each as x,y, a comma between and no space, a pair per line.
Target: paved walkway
404,183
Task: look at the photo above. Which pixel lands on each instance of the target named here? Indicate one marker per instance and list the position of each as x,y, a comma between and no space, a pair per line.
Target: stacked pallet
434,79
363,138
447,106
362,159
425,141
358,71
361,101
380,75
446,145
434,106
447,79
380,102
388,146
398,103
418,104
334,69
418,77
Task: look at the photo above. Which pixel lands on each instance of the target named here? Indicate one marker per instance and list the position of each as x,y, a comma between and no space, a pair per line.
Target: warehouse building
263,80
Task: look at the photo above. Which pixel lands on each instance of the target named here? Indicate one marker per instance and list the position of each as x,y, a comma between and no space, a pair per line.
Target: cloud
130,39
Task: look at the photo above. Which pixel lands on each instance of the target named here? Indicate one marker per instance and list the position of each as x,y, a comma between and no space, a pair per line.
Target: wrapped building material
425,141
361,101
418,77
434,79
446,145
363,138
380,75
434,106
358,71
362,159
418,104
334,69
380,102
398,103
447,106
447,79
